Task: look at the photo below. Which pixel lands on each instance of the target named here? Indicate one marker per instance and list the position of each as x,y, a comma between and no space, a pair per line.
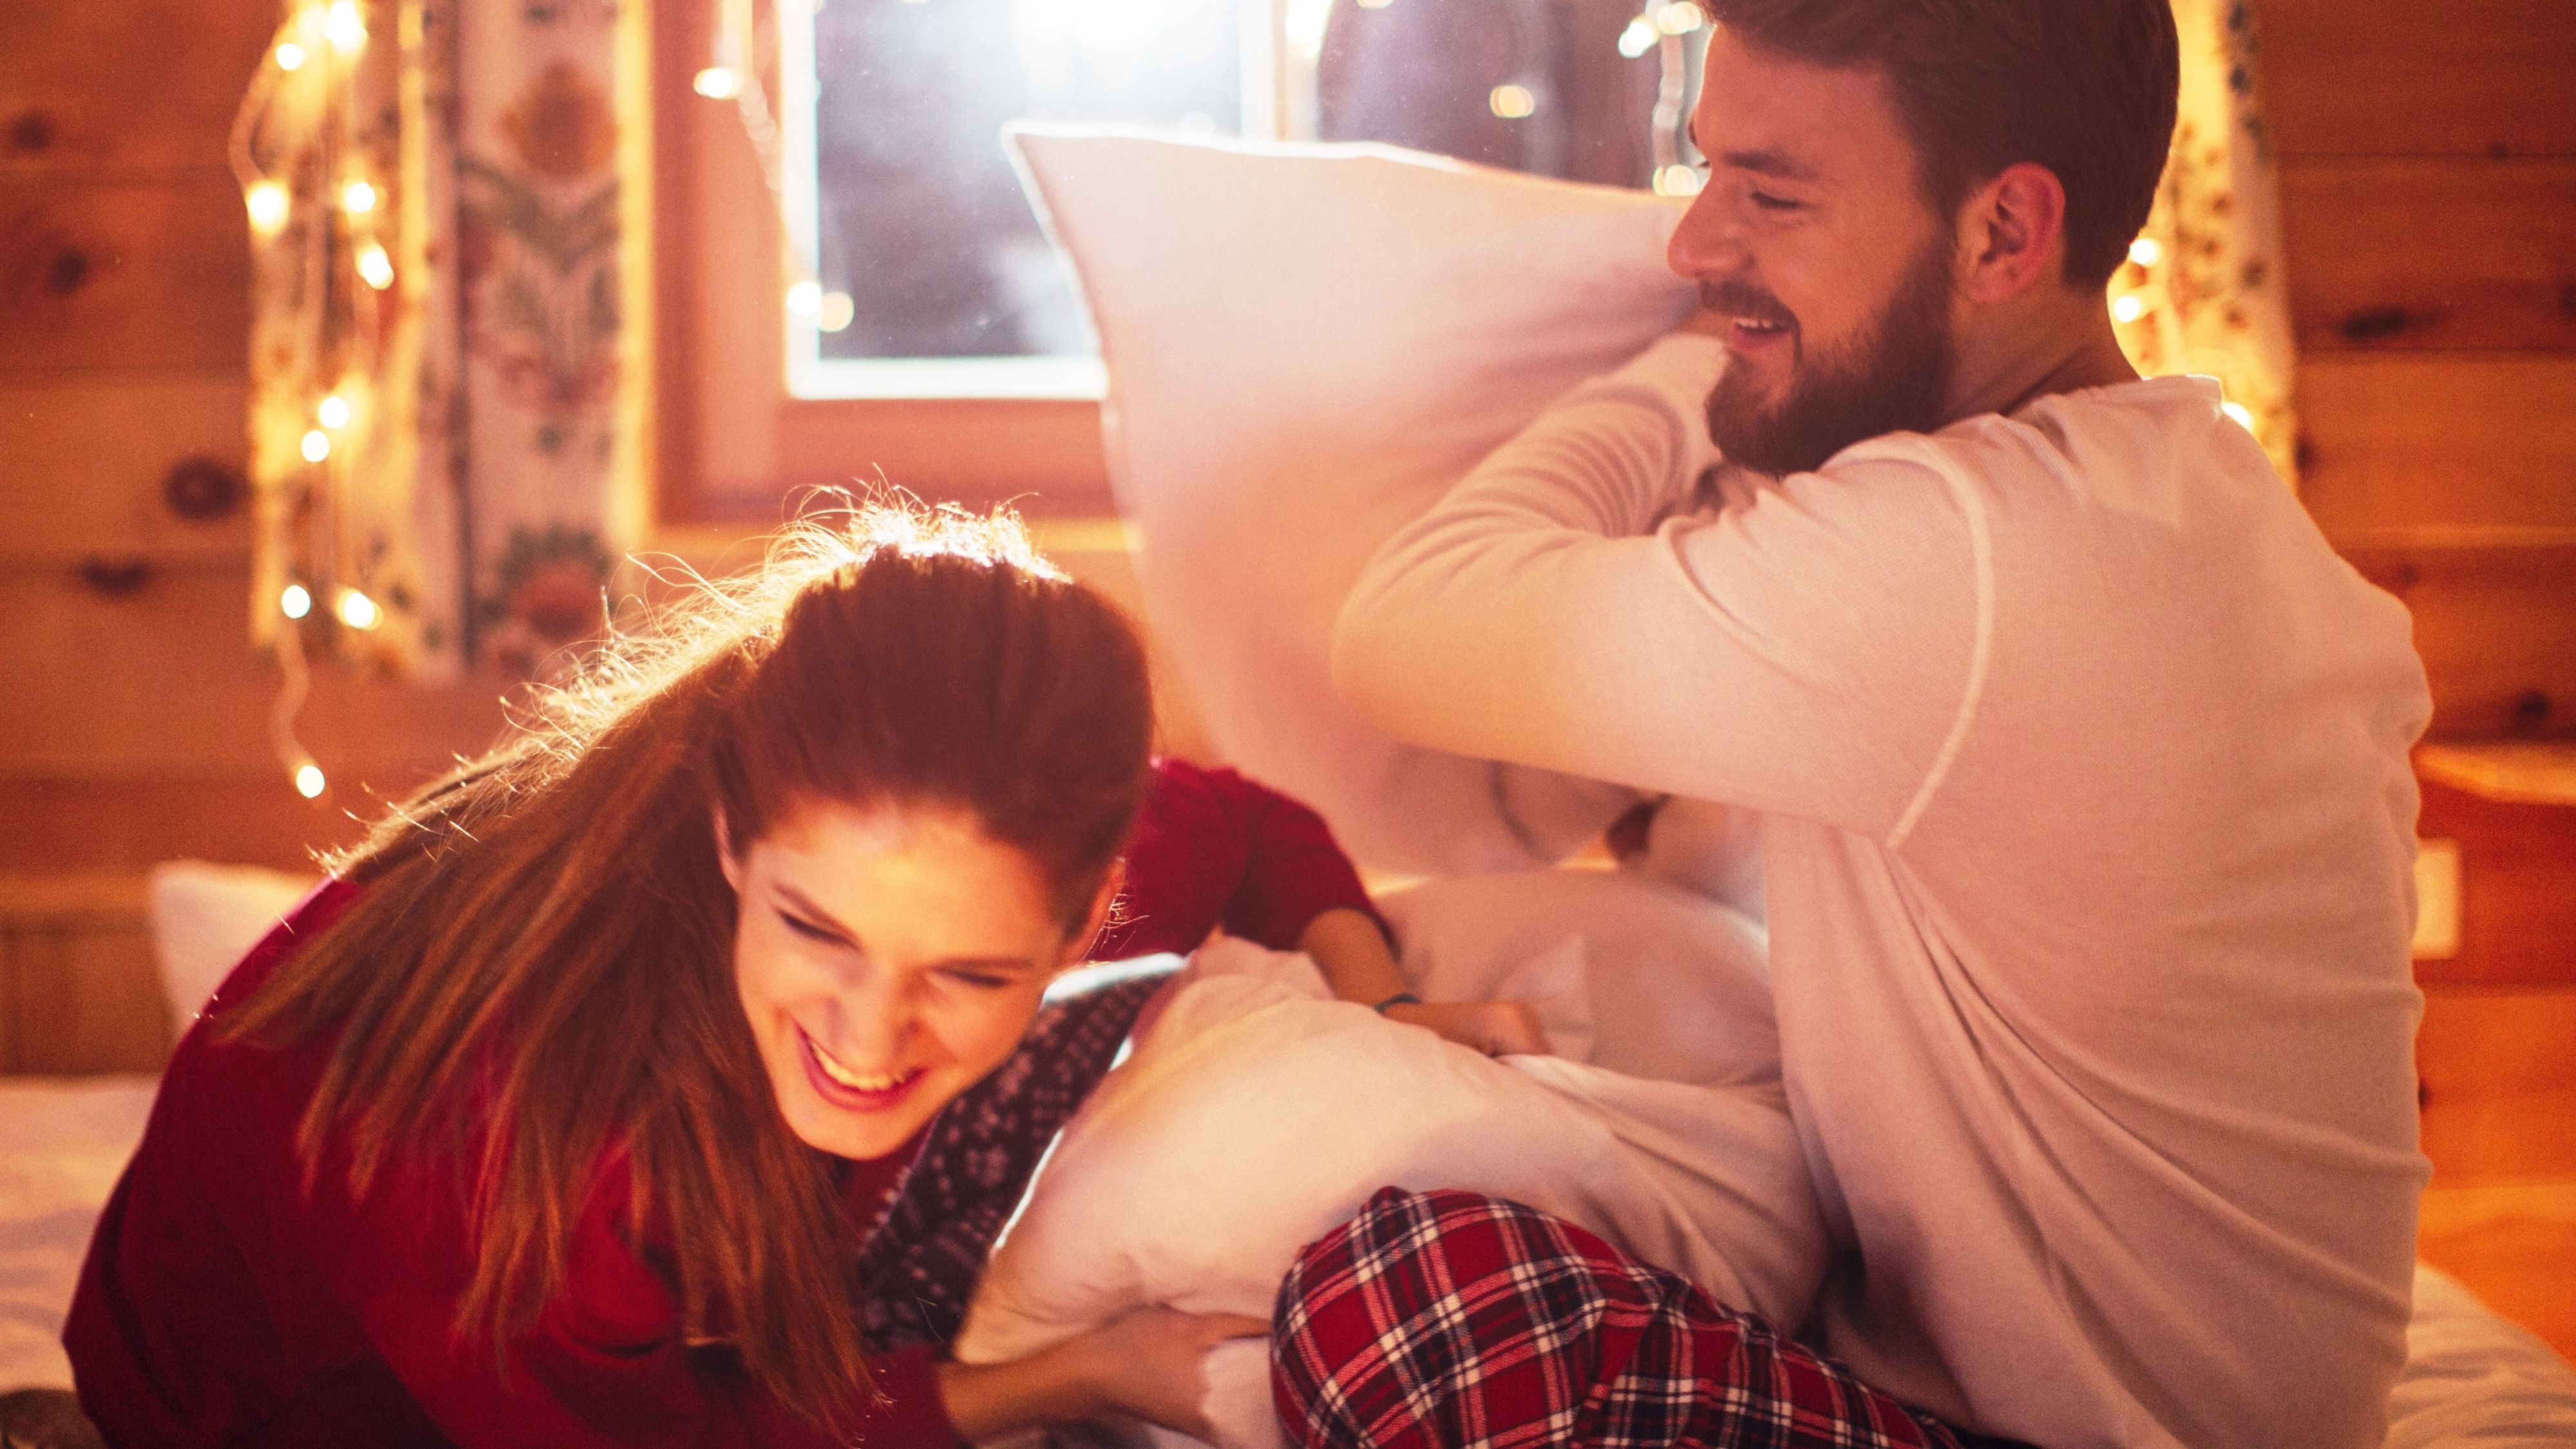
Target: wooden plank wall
2428,171
133,718
2428,161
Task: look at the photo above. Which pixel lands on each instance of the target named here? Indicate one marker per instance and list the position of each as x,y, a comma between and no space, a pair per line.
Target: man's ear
1080,943
2012,234
725,862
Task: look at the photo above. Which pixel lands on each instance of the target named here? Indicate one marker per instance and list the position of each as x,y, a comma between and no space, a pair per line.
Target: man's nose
1706,244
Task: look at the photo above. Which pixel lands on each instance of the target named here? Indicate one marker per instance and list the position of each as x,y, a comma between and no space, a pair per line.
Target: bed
2472,1379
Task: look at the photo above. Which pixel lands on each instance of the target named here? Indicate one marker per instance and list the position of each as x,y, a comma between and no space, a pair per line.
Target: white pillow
206,917
1677,987
1307,345
1253,1117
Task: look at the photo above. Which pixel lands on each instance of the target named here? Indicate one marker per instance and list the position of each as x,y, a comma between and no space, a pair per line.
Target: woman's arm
1352,953
1146,1365
1297,876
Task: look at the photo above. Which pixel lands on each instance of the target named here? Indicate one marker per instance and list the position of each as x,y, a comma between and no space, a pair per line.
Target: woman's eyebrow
823,920
1020,964
815,915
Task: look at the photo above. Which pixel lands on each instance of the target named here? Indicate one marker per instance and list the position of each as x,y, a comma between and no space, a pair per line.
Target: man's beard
1896,378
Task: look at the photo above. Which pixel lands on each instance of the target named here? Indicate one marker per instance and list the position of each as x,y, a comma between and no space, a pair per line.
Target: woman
582,1105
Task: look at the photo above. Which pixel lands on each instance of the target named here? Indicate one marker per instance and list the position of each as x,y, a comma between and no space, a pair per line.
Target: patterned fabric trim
920,1265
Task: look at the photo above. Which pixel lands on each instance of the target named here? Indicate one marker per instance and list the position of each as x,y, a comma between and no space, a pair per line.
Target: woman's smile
854,1091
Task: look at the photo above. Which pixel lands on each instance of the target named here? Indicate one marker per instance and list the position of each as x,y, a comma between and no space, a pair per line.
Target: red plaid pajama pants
1448,1320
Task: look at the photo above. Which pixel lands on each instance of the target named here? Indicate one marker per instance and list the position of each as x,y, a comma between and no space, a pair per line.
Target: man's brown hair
2085,88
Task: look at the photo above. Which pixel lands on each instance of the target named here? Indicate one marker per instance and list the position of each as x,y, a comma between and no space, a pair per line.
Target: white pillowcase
1307,345
1254,1116
1677,989
206,917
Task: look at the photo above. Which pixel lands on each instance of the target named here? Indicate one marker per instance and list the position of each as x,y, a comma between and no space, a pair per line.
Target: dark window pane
1425,74
922,221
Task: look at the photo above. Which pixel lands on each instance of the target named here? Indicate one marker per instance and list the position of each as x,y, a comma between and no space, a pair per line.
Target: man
2082,769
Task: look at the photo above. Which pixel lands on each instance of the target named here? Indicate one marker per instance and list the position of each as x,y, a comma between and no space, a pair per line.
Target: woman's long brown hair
539,973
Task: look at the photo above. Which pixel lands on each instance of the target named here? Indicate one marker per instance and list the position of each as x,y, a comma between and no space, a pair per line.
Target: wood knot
202,490
2374,324
2531,710
32,133
115,578
68,272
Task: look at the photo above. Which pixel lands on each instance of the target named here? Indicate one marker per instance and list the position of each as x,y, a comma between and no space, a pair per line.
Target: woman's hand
1496,1028
1149,1364
1352,953
1146,1364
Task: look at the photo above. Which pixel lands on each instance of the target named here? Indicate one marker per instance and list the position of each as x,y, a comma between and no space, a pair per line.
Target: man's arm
1805,647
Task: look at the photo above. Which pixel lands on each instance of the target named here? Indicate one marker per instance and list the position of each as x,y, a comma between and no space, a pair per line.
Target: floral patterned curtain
446,376
2203,290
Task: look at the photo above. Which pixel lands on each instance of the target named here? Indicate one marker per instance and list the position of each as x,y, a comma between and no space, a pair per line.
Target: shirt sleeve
606,1363
1295,872
1213,849
1601,596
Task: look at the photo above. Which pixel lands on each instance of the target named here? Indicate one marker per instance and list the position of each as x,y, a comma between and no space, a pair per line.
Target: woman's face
888,959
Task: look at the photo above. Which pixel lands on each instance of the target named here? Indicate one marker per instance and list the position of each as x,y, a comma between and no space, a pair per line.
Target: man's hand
1149,1363
1496,1028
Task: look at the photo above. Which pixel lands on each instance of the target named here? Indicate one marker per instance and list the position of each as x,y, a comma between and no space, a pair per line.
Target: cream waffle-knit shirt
2088,829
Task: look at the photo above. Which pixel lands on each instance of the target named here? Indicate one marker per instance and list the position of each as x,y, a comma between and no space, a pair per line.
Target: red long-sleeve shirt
222,1304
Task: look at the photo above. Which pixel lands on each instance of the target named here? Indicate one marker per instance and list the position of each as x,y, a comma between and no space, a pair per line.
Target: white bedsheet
62,1144
2472,1380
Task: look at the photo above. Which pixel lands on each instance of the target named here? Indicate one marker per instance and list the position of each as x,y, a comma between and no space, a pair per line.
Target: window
882,303
932,277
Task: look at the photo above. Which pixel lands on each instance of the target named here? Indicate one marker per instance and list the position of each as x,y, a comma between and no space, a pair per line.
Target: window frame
733,444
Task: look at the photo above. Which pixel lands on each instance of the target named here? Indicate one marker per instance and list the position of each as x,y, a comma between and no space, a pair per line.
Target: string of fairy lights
306,182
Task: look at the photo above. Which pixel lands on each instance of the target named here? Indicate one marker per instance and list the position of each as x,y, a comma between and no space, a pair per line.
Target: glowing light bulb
2244,418
334,411
838,310
317,446
309,782
374,267
1678,181
358,197
345,25
1512,103
1680,18
805,299
295,602
717,83
358,611
267,202
290,56
1638,38
2146,251
2128,309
